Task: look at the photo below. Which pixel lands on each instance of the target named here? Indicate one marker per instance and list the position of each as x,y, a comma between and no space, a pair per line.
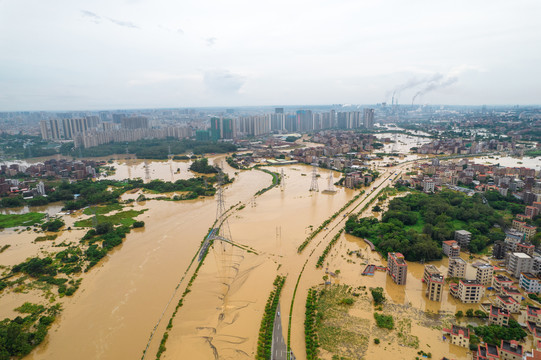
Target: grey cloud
210,41
180,31
92,16
127,24
223,81
95,18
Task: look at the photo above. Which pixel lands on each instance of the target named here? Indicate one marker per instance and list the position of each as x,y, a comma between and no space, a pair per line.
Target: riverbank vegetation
202,166
14,220
80,194
264,342
20,335
328,248
157,149
416,224
275,180
125,218
231,160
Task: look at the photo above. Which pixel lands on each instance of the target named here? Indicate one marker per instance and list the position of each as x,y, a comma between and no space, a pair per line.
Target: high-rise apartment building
305,121
520,263
463,238
451,248
468,291
44,130
434,288
55,129
456,268
397,268
484,274
368,118
221,128
134,122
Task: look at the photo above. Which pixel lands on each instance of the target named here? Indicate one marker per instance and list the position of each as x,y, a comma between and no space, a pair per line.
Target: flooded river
121,300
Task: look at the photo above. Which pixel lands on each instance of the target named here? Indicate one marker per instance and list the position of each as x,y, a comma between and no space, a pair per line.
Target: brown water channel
121,300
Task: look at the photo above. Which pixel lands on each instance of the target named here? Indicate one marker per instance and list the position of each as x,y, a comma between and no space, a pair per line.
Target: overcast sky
107,54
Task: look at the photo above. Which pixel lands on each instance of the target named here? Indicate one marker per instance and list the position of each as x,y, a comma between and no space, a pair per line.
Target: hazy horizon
138,54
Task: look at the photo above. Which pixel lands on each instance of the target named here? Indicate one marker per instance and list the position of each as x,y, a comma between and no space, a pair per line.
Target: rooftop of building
522,255
529,276
506,299
532,310
485,267
512,347
494,310
398,258
431,269
510,290
458,330
470,282
450,242
502,278
486,350
436,278
463,232
458,260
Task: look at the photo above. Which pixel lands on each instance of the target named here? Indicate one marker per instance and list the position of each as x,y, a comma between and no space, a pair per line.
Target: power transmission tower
147,172
314,186
330,184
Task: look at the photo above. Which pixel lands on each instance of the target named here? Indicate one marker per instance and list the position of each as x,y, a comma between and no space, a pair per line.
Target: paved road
279,346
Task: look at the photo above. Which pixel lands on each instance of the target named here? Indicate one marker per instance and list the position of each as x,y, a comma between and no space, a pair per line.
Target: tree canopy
417,224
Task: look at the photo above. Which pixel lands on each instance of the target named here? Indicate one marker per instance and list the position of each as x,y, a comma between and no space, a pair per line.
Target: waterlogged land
134,290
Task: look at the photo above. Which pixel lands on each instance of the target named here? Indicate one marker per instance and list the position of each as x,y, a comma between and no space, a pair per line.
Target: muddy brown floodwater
121,300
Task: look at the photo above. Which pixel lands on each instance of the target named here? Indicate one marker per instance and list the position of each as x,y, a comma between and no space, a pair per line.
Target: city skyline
136,54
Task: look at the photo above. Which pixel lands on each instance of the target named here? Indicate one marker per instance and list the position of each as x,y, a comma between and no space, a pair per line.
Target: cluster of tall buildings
92,131
96,138
300,121
70,128
56,129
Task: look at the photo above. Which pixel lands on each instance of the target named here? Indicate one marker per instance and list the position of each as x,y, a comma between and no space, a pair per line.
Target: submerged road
279,346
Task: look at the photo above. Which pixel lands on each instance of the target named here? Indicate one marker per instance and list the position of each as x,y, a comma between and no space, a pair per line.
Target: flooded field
508,161
133,290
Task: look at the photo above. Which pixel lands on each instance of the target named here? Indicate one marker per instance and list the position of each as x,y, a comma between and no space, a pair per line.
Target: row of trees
310,332
151,149
328,248
326,222
267,323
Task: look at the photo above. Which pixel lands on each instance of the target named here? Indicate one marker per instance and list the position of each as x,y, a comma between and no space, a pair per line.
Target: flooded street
132,290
